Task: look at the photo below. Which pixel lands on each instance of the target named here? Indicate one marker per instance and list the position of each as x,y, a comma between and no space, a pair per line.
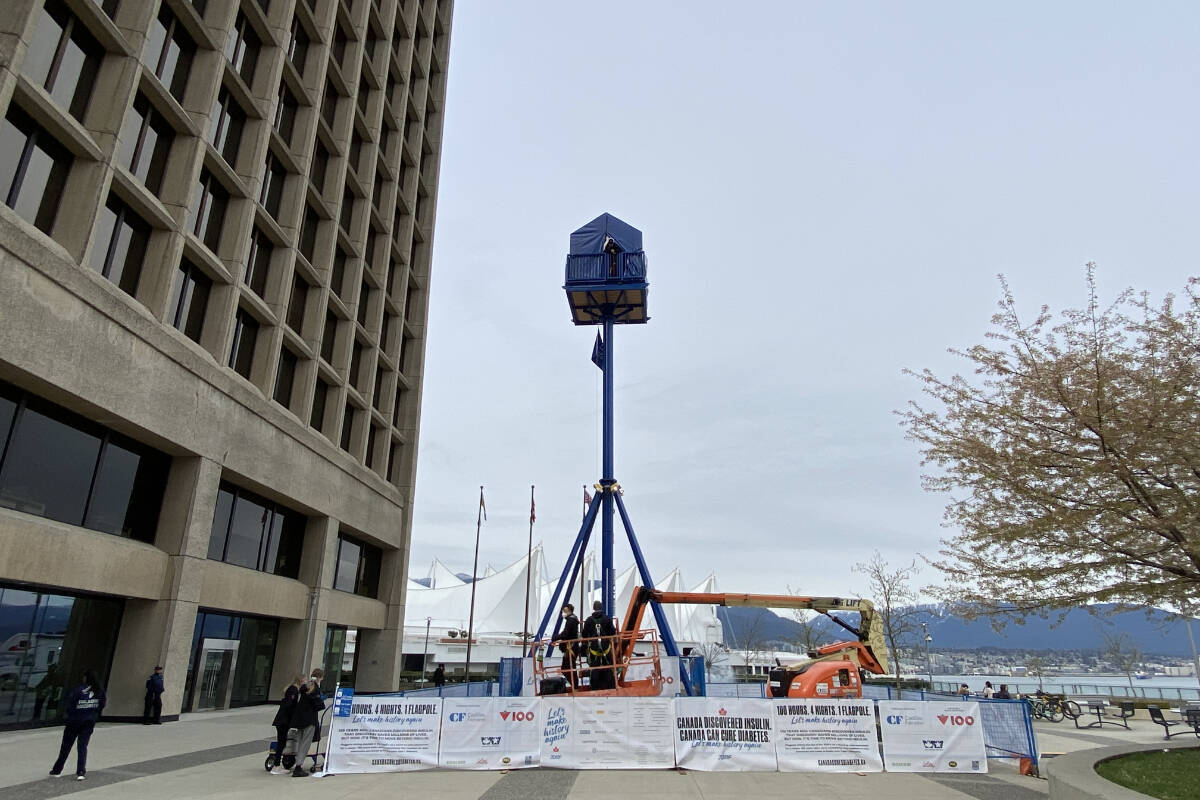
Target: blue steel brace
608,574
577,551
659,617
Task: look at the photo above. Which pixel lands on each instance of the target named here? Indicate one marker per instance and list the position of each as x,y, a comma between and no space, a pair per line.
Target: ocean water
1155,688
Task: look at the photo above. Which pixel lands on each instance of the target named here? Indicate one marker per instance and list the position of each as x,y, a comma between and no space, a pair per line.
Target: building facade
214,269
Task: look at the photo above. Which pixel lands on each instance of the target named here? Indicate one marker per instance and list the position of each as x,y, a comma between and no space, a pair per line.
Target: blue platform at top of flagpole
606,273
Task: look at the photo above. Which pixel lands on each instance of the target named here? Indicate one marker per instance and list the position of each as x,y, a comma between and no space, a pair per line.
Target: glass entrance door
214,674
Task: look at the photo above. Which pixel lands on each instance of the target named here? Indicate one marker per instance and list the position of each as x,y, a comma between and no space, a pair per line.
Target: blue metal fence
591,267
473,689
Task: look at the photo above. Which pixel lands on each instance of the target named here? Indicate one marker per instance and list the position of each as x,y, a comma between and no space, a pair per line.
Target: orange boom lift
832,670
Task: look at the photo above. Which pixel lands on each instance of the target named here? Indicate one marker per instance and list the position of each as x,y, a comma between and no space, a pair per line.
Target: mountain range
1156,632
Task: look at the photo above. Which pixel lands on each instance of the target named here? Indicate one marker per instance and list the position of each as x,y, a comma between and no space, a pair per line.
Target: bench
1097,705
1156,716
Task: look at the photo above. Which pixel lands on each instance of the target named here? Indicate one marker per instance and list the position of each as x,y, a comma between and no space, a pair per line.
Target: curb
1074,776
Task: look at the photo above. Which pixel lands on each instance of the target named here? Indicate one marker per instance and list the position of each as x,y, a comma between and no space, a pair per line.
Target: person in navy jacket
152,711
83,706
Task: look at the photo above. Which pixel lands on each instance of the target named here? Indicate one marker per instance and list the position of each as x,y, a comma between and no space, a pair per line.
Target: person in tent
598,631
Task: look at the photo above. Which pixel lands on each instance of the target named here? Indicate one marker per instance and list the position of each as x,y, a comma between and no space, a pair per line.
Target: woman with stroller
283,722
305,718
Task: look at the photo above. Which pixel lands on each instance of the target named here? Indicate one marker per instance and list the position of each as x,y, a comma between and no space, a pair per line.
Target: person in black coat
283,721
567,644
598,630
83,706
307,714
152,709
439,675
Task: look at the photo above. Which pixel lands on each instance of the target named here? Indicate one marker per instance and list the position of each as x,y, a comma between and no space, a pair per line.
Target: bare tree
1073,457
1036,666
895,603
752,639
714,654
1122,653
809,636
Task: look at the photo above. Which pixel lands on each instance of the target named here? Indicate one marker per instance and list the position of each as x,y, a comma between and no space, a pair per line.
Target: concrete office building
214,263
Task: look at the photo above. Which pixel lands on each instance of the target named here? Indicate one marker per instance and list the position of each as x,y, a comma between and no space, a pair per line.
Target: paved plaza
220,755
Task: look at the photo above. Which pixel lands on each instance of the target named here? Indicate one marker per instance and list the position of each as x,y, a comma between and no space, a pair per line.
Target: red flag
532,510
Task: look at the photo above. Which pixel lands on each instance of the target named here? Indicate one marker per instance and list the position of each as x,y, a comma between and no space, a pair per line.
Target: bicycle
1054,708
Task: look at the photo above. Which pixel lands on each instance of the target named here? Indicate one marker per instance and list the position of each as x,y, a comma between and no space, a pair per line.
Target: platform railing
598,267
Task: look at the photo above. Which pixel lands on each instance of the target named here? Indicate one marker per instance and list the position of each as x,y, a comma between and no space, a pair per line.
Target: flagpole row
528,574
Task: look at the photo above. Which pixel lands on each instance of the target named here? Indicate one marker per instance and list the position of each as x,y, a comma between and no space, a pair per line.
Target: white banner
527,689
671,685
724,734
489,733
826,735
607,733
932,737
386,733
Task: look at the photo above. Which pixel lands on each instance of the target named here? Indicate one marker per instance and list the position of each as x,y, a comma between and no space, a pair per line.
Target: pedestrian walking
83,706
152,709
439,675
305,718
283,722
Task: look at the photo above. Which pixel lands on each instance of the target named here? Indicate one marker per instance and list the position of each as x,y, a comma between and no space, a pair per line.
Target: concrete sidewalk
220,755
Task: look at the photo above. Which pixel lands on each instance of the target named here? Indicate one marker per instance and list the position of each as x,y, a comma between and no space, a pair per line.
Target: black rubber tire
1055,713
270,762
1073,710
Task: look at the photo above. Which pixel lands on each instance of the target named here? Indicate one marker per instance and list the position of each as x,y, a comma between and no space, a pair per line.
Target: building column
155,632
380,652
302,641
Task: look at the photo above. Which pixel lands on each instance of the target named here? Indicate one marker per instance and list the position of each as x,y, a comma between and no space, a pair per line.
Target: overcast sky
827,193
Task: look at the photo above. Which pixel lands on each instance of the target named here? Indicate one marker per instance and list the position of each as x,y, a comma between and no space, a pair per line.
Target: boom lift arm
868,650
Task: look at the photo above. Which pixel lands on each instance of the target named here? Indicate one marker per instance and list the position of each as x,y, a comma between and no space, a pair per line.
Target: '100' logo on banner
956,719
518,716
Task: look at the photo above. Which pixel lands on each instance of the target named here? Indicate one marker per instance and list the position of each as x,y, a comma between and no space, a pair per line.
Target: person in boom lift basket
598,631
568,646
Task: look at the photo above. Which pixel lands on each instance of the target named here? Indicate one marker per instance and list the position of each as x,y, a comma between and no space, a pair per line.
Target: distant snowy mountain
1159,633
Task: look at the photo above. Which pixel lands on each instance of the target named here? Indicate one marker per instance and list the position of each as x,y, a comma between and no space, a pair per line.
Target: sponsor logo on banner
895,719
933,744
958,719
518,716
952,764
489,741
457,716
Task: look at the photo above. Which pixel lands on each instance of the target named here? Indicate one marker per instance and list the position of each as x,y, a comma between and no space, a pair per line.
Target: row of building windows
58,465
63,467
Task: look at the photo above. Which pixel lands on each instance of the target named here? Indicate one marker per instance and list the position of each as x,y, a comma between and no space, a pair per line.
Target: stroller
288,758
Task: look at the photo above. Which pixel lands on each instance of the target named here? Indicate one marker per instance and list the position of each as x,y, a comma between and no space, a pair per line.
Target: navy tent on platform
606,273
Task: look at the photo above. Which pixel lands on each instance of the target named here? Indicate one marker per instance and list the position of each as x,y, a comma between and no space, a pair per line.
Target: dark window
356,150
251,680
320,397
110,7
120,250
208,210
308,234
329,337
398,406
245,337
297,303
285,378
347,427
329,105
405,341
364,295
377,394
393,467
63,467
190,300
242,49
298,46
356,361
338,48
145,143
385,335
169,52
377,191
271,195
372,434
258,265
201,6
253,532
33,168
229,122
357,568
372,246
360,99
347,214
337,278
64,58
385,140
320,164
285,114
393,268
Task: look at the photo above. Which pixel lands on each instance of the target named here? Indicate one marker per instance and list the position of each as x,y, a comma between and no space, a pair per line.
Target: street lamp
928,657
425,657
